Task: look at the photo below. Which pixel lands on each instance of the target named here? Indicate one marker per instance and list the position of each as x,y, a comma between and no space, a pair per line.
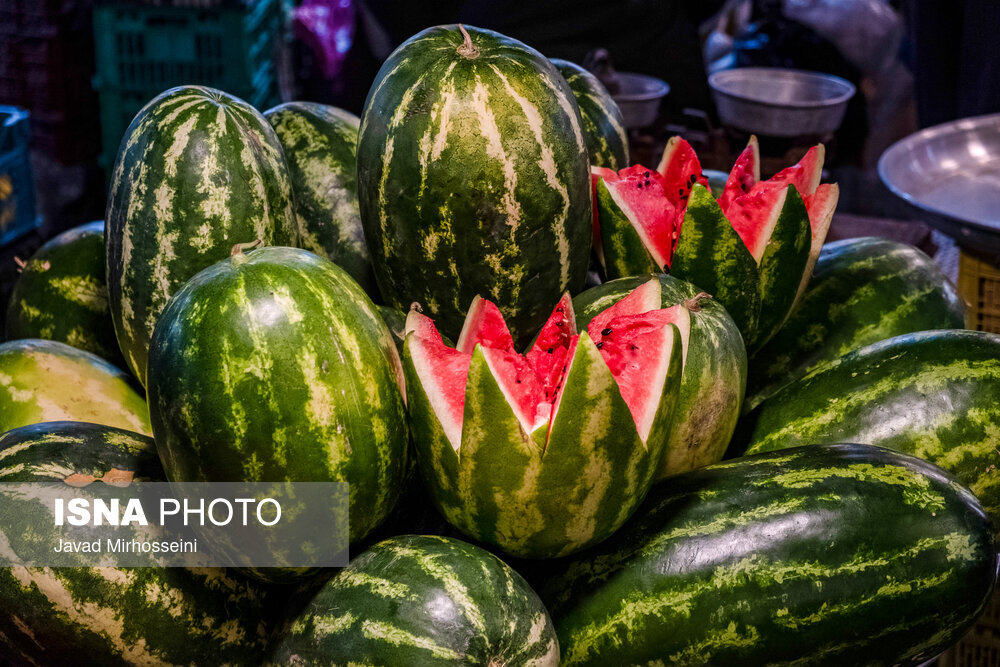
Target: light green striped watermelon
197,172
61,294
933,394
44,380
321,148
422,600
826,555
274,365
114,616
715,369
545,453
863,290
603,124
472,179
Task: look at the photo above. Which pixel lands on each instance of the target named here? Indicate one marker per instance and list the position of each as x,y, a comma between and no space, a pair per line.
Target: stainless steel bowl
950,177
639,98
780,102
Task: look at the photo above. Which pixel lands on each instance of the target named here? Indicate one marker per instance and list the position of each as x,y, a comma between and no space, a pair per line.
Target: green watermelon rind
603,123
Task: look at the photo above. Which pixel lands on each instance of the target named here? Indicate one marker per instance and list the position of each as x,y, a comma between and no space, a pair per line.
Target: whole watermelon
423,600
115,616
473,179
321,148
61,294
603,124
44,381
272,366
197,171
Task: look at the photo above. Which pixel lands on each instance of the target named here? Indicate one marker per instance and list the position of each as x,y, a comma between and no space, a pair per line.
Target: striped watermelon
274,365
197,171
825,555
321,148
44,380
545,453
115,616
603,124
421,600
863,291
61,295
715,369
933,394
472,178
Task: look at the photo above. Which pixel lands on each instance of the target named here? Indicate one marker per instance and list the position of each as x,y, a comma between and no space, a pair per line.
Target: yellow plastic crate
979,285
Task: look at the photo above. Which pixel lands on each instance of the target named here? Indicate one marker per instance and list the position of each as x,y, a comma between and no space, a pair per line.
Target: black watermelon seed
600,345
606,332
640,186
549,350
646,174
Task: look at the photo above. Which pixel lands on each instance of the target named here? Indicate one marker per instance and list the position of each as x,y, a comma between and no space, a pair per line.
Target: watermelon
473,179
114,616
197,171
753,249
422,600
274,365
603,124
321,148
45,380
933,394
715,369
863,291
822,555
61,294
545,453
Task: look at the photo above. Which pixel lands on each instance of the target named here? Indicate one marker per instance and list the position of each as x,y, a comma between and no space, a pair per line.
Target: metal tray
949,175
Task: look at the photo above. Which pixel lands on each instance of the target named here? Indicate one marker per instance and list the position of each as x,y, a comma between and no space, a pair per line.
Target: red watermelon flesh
484,324
744,175
820,206
642,299
596,174
804,175
644,198
549,354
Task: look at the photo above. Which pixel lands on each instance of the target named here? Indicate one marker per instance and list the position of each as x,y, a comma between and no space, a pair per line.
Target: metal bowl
780,102
639,98
949,175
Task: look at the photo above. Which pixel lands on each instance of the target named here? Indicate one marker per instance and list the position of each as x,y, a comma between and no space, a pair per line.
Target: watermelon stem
240,247
467,49
694,303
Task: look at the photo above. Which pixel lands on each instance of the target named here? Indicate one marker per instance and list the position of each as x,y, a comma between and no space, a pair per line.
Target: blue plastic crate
17,189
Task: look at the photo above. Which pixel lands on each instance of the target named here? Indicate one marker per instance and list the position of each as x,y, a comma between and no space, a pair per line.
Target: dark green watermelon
821,555
603,123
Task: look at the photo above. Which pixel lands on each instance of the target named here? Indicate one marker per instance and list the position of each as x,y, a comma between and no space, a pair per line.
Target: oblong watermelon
62,295
603,123
115,616
823,555
422,600
197,172
321,148
45,380
933,394
863,290
473,179
715,369
274,365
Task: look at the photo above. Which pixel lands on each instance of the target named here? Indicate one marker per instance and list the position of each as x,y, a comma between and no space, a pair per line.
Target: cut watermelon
642,196
445,370
745,174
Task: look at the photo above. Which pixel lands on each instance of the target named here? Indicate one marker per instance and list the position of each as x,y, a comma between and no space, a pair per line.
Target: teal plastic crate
17,188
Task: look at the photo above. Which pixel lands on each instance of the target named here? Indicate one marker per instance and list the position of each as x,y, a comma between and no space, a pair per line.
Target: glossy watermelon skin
198,171
603,124
473,179
820,555
116,616
44,380
321,148
62,295
863,290
274,365
423,600
715,370
933,394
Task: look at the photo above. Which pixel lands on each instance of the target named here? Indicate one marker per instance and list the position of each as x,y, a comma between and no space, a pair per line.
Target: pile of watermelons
410,302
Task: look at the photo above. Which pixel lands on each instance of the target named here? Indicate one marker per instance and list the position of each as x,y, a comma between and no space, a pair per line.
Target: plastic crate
17,189
979,285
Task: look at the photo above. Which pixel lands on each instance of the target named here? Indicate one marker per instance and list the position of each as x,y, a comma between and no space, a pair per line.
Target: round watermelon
106,615
321,148
61,294
603,124
273,366
715,369
422,600
44,380
473,179
197,171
